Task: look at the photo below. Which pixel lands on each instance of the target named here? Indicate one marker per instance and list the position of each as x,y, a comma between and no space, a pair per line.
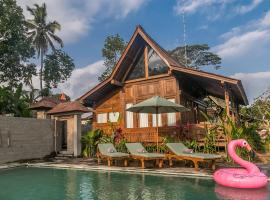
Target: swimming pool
59,184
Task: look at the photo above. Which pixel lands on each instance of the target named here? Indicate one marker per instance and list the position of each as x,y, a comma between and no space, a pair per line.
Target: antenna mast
184,37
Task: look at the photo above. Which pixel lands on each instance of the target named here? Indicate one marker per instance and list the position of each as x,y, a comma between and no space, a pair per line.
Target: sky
237,30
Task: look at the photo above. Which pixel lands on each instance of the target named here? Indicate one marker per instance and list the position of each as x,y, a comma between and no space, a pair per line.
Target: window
154,120
171,116
102,118
156,65
143,120
138,70
113,116
129,116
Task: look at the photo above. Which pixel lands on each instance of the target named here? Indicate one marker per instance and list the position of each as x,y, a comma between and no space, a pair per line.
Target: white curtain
171,116
113,116
102,118
143,120
129,116
154,120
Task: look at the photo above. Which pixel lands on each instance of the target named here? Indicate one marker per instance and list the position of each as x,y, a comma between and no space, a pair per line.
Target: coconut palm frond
41,33
53,26
30,24
57,39
50,42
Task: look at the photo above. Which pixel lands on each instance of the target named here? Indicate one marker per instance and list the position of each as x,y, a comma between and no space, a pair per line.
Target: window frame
103,121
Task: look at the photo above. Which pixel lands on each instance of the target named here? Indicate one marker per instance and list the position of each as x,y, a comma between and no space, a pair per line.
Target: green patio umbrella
157,105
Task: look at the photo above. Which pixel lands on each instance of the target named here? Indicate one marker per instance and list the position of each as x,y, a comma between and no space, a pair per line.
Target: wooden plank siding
135,92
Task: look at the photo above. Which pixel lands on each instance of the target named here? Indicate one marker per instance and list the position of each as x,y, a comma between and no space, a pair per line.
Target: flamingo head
244,144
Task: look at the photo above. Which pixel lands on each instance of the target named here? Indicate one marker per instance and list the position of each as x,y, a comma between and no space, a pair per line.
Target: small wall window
154,120
129,116
143,120
102,118
171,116
113,116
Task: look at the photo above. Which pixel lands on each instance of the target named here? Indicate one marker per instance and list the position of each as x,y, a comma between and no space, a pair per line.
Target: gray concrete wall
25,138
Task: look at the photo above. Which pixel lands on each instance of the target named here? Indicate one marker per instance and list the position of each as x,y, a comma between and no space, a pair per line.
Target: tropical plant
259,111
121,145
14,102
192,144
15,48
58,67
233,130
42,33
114,45
90,141
196,56
210,140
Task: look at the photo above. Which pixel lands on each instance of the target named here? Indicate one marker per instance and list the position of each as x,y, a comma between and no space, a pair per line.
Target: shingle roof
73,106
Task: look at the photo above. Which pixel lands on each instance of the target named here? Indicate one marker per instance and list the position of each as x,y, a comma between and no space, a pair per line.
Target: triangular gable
120,72
156,65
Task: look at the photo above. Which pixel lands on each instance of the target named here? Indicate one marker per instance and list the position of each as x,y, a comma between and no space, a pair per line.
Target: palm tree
42,33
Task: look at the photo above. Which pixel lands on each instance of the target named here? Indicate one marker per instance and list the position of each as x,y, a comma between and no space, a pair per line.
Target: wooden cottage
145,69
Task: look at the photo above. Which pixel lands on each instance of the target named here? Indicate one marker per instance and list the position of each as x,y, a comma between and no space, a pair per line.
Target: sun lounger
108,152
138,152
181,152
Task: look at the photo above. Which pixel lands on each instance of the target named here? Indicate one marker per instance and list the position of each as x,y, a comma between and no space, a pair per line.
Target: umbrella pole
157,126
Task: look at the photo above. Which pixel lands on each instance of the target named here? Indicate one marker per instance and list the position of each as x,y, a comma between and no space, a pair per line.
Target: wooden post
227,99
233,109
123,109
237,112
146,62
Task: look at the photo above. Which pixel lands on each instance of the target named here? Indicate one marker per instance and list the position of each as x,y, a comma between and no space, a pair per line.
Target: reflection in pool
226,193
60,184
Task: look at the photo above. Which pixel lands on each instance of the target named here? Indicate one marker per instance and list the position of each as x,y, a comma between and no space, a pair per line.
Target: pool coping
133,170
103,168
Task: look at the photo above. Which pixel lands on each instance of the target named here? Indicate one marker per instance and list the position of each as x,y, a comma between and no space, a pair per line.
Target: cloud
243,44
82,80
242,9
78,17
214,9
254,83
191,6
211,10
243,41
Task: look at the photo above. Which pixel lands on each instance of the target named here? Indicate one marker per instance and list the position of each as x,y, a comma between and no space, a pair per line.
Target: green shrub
90,141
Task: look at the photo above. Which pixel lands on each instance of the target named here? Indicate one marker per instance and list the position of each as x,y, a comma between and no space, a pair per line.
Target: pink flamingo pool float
249,177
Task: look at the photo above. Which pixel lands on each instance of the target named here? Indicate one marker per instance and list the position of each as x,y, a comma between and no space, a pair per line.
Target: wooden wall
135,92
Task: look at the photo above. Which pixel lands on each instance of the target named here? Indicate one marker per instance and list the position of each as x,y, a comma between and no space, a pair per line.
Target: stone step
63,155
65,152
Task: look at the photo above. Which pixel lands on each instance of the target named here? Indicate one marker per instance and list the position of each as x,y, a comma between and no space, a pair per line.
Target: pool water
61,184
